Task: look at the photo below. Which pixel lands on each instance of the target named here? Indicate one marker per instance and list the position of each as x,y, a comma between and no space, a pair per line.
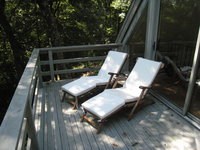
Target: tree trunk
53,28
52,22
17,49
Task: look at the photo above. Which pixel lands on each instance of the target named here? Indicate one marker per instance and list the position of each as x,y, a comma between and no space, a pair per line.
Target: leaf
115,145
134,144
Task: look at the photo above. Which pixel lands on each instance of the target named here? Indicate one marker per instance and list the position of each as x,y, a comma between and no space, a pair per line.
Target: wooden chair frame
76,102
101,122
101,87
133,104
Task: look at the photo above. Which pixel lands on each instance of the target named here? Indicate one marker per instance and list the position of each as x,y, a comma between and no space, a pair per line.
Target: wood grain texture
11,126
154,127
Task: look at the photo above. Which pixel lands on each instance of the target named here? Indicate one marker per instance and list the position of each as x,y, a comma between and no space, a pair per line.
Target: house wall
173,37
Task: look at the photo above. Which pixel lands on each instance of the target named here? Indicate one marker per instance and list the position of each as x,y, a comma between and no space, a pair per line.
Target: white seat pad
111,100
98,80
103,104
143,73
128,95
113,63
83,84
79,86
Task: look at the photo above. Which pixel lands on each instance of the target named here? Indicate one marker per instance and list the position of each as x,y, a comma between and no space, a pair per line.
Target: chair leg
83,117
64,94
133,110
99,127
76,103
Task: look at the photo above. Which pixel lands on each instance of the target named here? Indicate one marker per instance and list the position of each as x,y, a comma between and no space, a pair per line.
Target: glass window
178,29
195,105
137,40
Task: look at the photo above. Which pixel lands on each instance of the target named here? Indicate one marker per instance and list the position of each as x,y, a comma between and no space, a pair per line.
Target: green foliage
179,20
121,6
42,23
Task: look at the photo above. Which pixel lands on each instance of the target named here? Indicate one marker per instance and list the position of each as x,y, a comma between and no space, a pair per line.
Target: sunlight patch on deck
153,127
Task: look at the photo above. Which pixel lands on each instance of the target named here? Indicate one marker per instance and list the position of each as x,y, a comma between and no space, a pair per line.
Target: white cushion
79,86
111,100
83,85
103,104
112,63
98,80
142,74
128,95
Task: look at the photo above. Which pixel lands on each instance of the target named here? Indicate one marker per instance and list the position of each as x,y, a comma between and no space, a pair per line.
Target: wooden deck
153,127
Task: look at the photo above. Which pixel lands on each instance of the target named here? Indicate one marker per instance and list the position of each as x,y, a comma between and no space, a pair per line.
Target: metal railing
180,52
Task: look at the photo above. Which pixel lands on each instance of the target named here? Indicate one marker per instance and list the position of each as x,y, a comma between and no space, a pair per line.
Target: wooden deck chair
111,66
131,94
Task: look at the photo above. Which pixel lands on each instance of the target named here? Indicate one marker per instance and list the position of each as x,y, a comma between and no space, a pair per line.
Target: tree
17,49
25,25
54,28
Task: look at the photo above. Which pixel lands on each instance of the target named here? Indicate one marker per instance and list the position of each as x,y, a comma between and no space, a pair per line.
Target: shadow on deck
153,127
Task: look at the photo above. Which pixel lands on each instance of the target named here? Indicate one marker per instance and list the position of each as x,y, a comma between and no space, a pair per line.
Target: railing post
31,128
22,141
126,49
39,71
51,65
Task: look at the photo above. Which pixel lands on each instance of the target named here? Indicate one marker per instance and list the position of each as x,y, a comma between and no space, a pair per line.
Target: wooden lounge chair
131,94
111,66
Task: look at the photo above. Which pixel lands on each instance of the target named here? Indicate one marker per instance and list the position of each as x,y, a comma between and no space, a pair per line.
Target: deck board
154,127
63,135
38,118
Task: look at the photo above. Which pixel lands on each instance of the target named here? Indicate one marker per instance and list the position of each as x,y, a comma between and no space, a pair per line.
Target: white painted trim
11,126
152,28
192,80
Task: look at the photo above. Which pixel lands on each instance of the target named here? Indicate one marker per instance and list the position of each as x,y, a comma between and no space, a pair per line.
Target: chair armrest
121,78
116,77
121,75
144,90
145,87
111,77
112,73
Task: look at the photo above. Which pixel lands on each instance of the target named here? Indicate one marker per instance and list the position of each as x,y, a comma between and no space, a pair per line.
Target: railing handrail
11,126
81,47
51,61
167,42
18,121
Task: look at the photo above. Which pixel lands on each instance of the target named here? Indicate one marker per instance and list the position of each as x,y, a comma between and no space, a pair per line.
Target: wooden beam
193,75
81,47
127,22
73,60
152,28
134,22
51,65
31,128
67,71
